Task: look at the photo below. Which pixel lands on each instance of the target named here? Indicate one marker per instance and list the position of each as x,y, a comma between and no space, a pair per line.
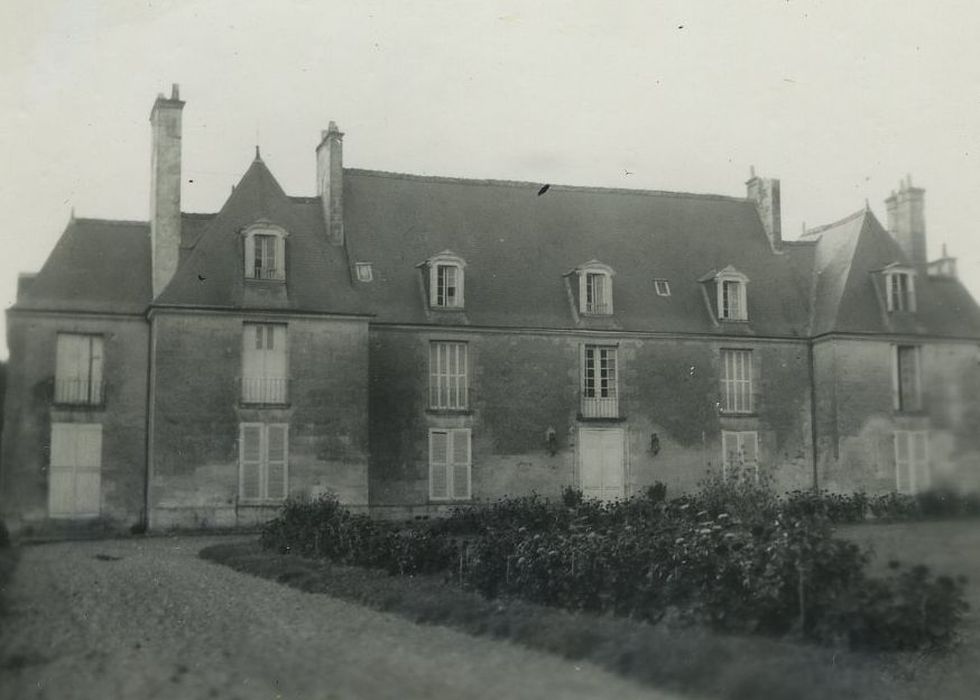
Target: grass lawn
694,661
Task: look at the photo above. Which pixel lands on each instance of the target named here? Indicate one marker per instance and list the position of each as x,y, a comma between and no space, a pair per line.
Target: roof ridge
527,183
113,222
850,217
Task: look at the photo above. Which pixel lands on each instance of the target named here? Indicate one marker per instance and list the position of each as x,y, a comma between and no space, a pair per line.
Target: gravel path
148,619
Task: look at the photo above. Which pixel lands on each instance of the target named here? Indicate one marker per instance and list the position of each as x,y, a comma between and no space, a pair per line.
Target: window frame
264,230
602,275
739,437
364,271
901,402
263,463
897,299
663,291
593,403
450,464
914,469
271,389
732,386
445,260
94,379
442,381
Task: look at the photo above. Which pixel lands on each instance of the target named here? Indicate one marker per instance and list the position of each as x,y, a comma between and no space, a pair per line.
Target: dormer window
731,294
900,289
595,289
445,278
265,252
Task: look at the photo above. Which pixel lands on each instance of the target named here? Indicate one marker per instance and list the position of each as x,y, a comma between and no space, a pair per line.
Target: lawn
690,660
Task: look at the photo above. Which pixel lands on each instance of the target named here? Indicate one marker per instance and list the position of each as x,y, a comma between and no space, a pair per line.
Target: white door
75,476
601,463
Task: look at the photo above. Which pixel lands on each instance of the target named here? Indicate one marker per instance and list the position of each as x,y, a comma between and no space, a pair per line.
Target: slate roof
849,291
519,247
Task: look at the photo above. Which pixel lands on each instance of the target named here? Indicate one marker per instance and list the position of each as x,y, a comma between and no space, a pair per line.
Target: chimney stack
907,221
764,192
330,181
165,123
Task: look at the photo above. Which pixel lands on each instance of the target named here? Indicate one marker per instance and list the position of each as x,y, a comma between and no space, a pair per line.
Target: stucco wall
858,420
29,411
197,413
523,384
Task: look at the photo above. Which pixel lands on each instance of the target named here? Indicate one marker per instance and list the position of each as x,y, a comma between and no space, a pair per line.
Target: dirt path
148,619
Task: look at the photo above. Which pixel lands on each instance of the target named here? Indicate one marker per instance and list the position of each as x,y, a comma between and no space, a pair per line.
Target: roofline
55,311
884,337
199,308
537,185
839,222
111,222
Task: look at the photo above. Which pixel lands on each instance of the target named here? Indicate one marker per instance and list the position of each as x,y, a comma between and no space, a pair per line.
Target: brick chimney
165,123
330,181
764,192
907,221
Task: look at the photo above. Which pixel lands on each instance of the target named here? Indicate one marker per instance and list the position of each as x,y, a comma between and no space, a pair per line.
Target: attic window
595,295
731,296
900,290
365,272
662,287
265,252
445,280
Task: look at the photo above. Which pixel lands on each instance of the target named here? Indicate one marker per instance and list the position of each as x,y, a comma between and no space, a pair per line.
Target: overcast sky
837,99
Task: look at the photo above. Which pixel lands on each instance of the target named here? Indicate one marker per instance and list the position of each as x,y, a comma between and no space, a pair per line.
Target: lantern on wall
551,441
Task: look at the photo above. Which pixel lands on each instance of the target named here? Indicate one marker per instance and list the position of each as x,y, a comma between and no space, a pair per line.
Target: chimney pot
175,91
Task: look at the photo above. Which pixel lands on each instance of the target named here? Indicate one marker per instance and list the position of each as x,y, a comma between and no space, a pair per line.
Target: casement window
736,381
265,378
600,396
450,464
662,287
365,272
75,474
598,294
263,461
448,371
265,253
907,377
911,461
740,453
900,291
445,280
732,300
78,370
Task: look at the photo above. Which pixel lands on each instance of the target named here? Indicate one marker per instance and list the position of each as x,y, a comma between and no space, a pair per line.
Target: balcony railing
598,308
600,407
265,390
78,392
268,273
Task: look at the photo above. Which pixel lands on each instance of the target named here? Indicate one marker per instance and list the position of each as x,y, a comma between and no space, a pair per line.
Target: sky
839,100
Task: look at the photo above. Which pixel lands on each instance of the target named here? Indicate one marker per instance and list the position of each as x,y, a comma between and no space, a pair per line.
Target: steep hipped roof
211,275
849,293
96,266
519,245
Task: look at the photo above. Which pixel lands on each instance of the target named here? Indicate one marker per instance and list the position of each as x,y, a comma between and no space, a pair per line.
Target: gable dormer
444,275
899,282
595,288
265,252
730,294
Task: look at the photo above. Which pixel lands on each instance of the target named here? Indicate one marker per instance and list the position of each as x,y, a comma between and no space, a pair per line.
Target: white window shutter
729,449
911,293
439,464
583,280
461,463
250,256
902,455
278,459
608,291
896,392
920,460
750,451
250,449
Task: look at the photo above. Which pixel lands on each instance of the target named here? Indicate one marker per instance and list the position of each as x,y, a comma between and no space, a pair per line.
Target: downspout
813,415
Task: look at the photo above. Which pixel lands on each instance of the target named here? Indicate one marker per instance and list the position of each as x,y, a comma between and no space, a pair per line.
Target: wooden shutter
750,452
439,464
61,475
919,460
75,475
277,460
460,451
250,451
729,449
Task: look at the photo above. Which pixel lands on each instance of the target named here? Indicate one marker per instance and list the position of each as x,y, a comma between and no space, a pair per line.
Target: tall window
78,369
740,453
599,383
911,461
736,381
447,292
907,379
450,464
75,474
263,461
447,375
264,364
733,301
900,290
265,252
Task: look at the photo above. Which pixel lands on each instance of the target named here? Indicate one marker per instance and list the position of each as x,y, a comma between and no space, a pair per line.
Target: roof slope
850,294
318,276
96,266
519,245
